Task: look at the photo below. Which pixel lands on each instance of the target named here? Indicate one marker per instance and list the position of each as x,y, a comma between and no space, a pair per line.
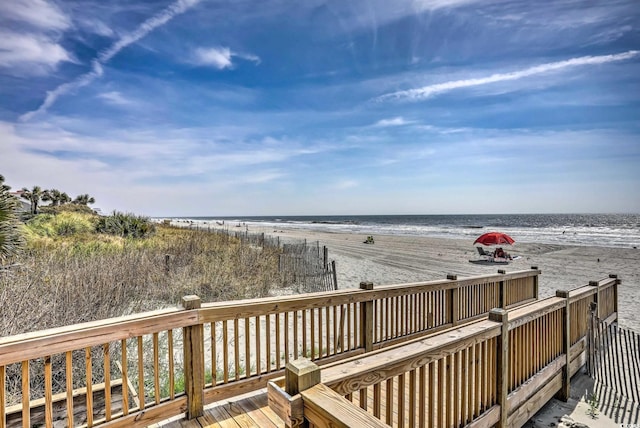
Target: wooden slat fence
140,369
499,371
615,357
302,264
308,267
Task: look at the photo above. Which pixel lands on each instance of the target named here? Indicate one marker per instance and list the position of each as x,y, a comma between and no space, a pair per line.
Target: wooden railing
498,371
136,370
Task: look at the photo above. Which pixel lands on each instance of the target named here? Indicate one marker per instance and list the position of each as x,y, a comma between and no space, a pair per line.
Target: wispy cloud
115,98
37,13
395,121
125,40
31,53
29,37
439,88
262,176
220,57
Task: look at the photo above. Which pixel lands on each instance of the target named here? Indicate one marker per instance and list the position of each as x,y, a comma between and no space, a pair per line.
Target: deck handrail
327,326
496,371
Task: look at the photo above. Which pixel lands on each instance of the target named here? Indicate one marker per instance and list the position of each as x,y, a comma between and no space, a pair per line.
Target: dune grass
69,273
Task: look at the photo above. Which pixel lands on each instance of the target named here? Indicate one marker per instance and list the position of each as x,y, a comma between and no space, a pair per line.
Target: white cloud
395,121
220,57
95,26
262,176
125,40
115,98
30,53
440,4
34,48
433,90
37,13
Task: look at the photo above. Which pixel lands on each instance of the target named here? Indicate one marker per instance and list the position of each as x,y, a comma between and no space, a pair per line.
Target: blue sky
204,107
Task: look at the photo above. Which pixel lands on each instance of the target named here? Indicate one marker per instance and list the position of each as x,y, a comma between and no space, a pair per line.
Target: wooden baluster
89,380
156,368
69,382
26,396
125,378
172,384
48,393
3,397
107,381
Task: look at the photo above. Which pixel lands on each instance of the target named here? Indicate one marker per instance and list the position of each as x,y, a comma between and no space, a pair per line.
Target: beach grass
71,274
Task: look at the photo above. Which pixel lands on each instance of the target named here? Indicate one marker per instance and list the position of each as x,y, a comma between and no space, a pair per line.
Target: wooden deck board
249,410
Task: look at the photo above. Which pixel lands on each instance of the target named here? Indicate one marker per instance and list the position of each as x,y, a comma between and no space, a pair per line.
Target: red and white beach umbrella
494,238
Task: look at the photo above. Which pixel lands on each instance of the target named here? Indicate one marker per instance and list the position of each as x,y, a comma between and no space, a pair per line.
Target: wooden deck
248,410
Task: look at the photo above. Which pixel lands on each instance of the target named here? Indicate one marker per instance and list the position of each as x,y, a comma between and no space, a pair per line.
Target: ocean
608,230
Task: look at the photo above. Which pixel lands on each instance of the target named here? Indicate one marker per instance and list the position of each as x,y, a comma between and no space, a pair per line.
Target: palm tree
34,196
56,197
64,198
84,200
3,187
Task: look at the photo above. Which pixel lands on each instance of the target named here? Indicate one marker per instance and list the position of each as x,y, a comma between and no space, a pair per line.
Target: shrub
11,239
125,225
63,224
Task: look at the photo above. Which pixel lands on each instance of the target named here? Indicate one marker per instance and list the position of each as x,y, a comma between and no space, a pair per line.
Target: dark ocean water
612,230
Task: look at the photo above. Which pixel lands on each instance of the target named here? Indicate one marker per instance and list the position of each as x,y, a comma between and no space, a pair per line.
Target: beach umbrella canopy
494,238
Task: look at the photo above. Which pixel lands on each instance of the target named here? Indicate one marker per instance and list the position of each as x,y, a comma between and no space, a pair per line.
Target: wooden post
565,391
615,294
193,338
597,300
503,296
502,369
454,303
366,319
299,375
591,342
535,283
335,274
325,256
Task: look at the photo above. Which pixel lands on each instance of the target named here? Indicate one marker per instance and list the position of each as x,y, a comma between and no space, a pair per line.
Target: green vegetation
71,272
125,225
594,403
11,239
59,225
